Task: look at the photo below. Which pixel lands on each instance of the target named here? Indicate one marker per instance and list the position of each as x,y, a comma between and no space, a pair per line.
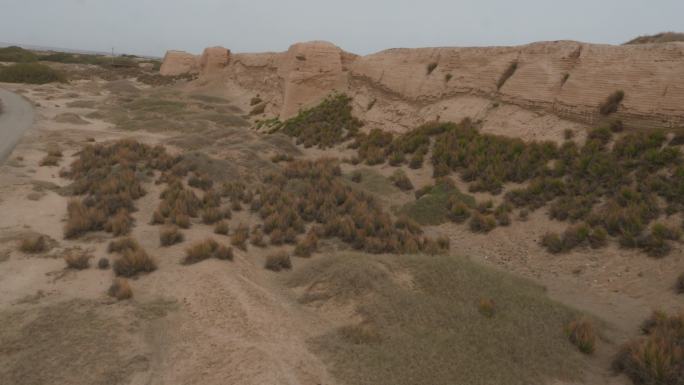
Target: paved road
15,118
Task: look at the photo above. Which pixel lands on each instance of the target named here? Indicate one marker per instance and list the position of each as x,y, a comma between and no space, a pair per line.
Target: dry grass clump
52,158
211,215
324,125
200,181
222,228
178,204
120,289
581,333
278,262
34,244
257,237
307,246
103,263
110,176
658,356
208,248
170,236
486,307
133,260
480,223
240,236
77,259
400,180
612,103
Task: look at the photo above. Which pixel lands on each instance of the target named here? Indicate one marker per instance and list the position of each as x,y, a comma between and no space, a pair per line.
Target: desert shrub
305,191
258,109
103,263
448,77
77,259
206,249
224,253
120,224
123,244
257,237
200,251
501,214
568,134
200,181
611,103
277,158
240,236
50,161
396,159
510,70
324,125
459,212
211,215
486,307
133,262
416,160
31,73
170,236
581,334
616,125
480,223
222,228
278,262
307,246
34,244
440,203
120,289
17,55
655,358
552,242
400,180
598,237
109,176
431,67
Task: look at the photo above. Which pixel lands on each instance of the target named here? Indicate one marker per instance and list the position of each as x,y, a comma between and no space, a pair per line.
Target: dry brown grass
257,237
133,261
103,263
34,244
208,248
658,356
278,262
581,333
307,246
120,289
123,244
77,259
222,228
240,236
120,224
170,236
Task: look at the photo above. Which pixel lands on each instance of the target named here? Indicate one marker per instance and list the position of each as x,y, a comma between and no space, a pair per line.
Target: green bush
30,73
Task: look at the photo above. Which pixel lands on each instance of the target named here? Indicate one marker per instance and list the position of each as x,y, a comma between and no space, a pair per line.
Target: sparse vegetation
240,236
209,248
77,259
655,358
14,54
120,289
278,262
30,73
170,236
133,260
34,244
431,67
103,263
581,334
222,228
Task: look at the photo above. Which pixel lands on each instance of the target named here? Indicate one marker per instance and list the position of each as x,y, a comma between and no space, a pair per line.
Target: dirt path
16,117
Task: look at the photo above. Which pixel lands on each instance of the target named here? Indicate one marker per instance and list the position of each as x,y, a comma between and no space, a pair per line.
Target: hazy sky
361,26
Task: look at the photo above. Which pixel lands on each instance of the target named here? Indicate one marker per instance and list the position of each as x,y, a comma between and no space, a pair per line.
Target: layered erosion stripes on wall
565,78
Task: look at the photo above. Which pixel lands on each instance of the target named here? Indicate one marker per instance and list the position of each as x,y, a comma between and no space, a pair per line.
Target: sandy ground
220,322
